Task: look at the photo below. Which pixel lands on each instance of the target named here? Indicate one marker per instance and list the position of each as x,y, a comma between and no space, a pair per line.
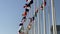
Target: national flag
24,19
21,30
30,20
28,5
36,11
21,24
31,2
28,1
29,27
33,18
27,10
44,2
24,14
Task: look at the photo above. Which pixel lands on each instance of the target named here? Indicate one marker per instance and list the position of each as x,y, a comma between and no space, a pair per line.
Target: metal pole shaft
53,17
44,18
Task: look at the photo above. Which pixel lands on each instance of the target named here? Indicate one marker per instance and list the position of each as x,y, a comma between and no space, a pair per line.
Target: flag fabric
24,14
41,7
28,5
27,10
21,24
28,0
31,2
33,18
29,27
21,30
44,2
30,20
24,19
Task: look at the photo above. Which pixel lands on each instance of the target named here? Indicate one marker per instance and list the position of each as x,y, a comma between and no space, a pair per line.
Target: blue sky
10,15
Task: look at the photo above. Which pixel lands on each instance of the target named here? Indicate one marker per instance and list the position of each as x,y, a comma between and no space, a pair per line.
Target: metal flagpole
38,17
53,17
49,19
49,16
34,11
44,18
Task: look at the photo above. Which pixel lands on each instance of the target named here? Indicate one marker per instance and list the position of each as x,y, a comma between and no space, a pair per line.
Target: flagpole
44,18
34,13
49,19
38,17
53,17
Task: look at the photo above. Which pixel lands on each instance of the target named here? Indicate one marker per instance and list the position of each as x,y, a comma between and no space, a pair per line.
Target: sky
10,15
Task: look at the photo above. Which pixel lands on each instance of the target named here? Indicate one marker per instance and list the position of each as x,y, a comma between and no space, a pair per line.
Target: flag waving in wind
21,30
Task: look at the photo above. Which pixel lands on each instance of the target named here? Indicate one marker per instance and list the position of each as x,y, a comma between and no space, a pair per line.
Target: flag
44,2
21,30
21,24
29,27
24,19
36,11
24,14
31,2
28,1
41,7
33,18
30,20
27,10
28,5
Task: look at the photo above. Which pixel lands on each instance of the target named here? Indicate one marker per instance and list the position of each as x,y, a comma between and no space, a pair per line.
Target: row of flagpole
44,18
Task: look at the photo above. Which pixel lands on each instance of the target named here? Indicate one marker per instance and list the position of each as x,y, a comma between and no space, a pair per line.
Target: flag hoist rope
53,17
44,18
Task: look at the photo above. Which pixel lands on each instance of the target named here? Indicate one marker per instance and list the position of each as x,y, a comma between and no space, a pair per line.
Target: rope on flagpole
53,17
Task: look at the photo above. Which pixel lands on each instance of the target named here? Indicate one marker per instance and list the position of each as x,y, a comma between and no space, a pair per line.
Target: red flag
24,14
